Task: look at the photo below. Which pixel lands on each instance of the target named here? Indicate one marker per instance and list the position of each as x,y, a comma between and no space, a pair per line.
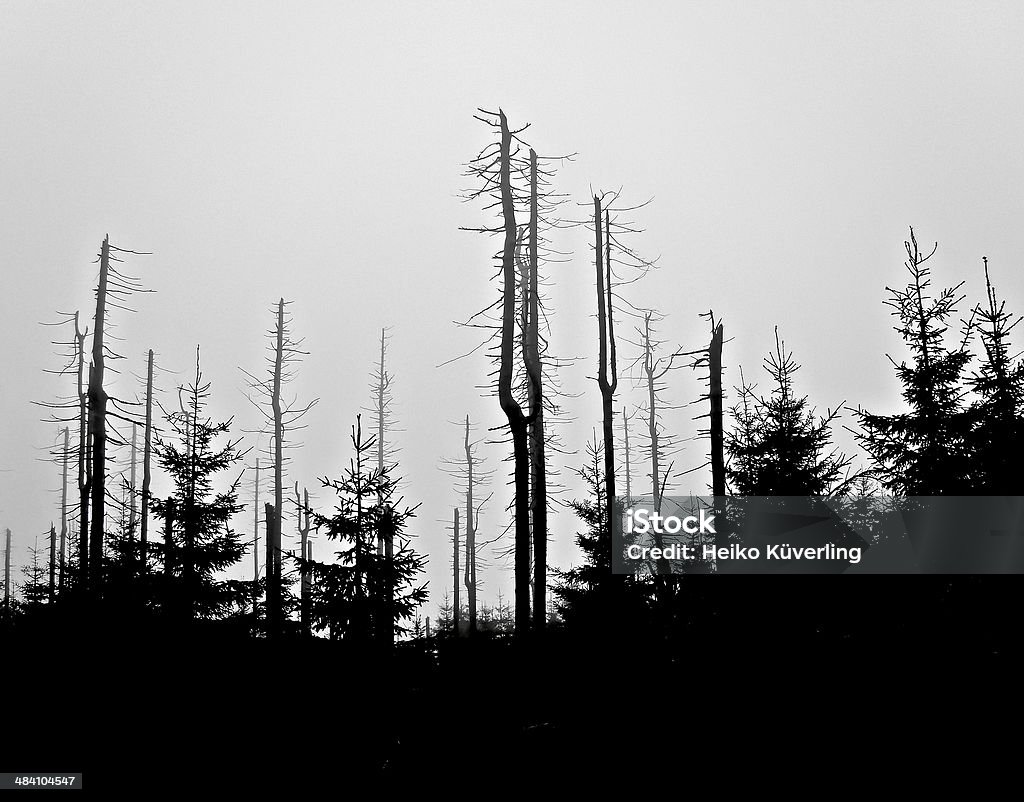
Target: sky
315,151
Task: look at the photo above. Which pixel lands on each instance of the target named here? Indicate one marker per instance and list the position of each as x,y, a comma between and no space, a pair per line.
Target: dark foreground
860,669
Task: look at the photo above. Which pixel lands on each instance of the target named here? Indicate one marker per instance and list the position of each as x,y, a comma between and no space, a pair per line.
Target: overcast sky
314,151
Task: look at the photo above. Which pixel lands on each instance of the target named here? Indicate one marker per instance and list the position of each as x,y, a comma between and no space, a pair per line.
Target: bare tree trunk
63,511
517,422
470,577
275,401
272,615
7,576
658,487
535,373
256,548
456,614
303,527
52,594
98,423
625,435
717,433
607,375
380,424
83,461
147,452
132,511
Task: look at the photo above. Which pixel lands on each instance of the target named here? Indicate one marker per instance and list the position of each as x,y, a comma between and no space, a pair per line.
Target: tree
779,447
608,240
923,451
35,590
147,454
366,511
7,574
98,421
199,541
998,383
305,549
589,596
494,167
660,444
282,416
469,478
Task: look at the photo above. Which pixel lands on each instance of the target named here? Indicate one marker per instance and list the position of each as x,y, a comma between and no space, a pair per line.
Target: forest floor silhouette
195,708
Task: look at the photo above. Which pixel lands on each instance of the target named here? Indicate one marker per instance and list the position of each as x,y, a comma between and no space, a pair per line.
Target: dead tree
517,184
613,259
469,476
52,586
98,421
132,510
517,421
627,455
84,474
470,578
276,619
111,289
532,358
607,372
384,422
457,611
7,576
305,587
269,535
282,417
63,511
716,428
147,452
493,167
256,546
649,370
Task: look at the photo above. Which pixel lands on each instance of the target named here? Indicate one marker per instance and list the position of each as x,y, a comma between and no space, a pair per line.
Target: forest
136,600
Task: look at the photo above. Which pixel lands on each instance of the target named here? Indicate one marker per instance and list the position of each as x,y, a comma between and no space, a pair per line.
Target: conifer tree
779,446
998,383
199,541
366,512
924,450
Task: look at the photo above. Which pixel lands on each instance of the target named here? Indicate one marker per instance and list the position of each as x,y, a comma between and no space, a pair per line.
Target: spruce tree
998,384
924,450
779,446
199,542
349,600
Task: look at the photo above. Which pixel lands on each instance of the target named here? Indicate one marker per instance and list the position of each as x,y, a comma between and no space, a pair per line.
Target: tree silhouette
282,416
199,541
366,511
923,451
998,383
779,447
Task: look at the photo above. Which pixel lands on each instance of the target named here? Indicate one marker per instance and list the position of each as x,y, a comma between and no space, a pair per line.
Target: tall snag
147,476
517,422
457,611
84,481
98,422
716,429
63,510
469,477
302,523
607,374
532,358
281,416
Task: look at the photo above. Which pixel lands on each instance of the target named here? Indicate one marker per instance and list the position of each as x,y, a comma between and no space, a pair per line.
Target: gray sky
315,152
